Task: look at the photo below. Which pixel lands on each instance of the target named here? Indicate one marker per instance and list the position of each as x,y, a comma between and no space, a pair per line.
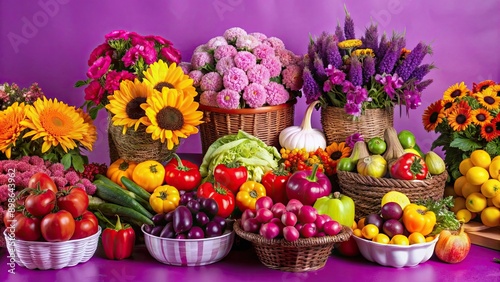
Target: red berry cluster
91,170
300,159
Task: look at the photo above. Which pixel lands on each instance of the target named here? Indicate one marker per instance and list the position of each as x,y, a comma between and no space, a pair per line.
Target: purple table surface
242,264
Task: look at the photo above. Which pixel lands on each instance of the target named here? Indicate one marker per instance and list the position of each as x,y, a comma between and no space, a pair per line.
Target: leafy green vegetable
445,218
244,148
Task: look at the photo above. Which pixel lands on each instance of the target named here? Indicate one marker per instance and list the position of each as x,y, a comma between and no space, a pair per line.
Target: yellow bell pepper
165,198
249,192
418,219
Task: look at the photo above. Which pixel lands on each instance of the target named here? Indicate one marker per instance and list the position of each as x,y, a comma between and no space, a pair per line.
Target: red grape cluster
91,170
194,218
291,222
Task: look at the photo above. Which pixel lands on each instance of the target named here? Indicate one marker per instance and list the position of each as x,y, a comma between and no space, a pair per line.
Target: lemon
465,165
480,158
395,196
464,215
477,175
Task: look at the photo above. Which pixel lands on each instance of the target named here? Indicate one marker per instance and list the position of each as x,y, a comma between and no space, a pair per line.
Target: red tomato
40,202
73,200
58,227
27,228
8,217
85,226
43,180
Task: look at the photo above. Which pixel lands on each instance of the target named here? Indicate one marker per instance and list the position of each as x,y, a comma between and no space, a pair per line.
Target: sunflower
11,122
496,124
172,115
482,85
90,137
125,104
480,116
160,75
488,98
456,91
433,115
496,89
447,107
460,118
337,151
488,131
55,122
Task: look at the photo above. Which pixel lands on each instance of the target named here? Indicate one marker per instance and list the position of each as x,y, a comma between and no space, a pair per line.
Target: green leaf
66,161
77,162
81,83
492,148
465,144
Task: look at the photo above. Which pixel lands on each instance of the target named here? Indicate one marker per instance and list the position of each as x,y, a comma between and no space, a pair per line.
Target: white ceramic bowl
51,255
189,252
396,255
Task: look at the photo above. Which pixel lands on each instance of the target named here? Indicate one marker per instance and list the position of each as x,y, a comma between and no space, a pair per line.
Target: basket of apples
291,237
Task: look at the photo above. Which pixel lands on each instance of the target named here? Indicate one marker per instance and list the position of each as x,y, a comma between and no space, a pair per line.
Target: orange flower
482,85
433,116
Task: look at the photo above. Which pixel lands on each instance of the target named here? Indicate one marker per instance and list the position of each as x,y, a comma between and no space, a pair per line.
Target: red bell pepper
118,242
409,167
223,196
182,174
275,183
232,175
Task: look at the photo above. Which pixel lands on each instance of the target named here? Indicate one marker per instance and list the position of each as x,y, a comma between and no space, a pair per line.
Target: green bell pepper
338,207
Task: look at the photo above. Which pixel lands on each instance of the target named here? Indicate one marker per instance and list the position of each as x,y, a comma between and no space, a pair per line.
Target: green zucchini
135,188
94,202
118,196
140,200
110,209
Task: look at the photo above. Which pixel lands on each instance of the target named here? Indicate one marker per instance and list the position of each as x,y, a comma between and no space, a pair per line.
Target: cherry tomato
74,200
85,225
27,228
40,202
58,227
43,181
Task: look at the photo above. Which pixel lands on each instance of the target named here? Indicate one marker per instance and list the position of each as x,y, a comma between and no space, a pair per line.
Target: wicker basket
305,254
337,125
266,123
367,191
51,255
136,146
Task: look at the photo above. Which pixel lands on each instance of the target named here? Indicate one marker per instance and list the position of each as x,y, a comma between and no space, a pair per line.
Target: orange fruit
369,231
361,223
381,238
490,188
465,165
480,158
494,168
477,175
416,238
458,184
496,201
468,189
490,216
400,240
476,202
464,215
429,238
458,204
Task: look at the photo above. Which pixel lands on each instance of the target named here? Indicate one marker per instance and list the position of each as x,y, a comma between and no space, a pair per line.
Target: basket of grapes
190,235
291,238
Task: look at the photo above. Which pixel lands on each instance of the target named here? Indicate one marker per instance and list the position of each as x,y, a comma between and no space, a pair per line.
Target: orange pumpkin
120,168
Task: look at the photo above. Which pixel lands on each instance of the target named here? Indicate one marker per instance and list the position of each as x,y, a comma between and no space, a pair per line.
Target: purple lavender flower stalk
348,26
339,33
368,69
310,88
422,85
320,43
383,46
421,71
356,72
411,62
371,38
312,50
319,68
391,56
332,55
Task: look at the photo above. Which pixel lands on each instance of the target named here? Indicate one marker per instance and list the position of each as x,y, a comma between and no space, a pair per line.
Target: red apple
453,247
348,248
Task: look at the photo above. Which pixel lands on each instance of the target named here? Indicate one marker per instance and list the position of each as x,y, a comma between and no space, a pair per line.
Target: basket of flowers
131,76
246,81
360,81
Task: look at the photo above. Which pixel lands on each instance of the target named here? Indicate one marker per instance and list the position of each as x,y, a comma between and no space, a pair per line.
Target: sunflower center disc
134,110
160,86
170,118
489,100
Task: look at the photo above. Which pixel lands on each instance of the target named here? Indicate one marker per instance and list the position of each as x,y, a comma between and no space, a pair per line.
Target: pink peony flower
258,35
216,42
255,95
200,48
145,50
245,60
235,79
224,51
233,33
99,67
228,99
117,34
201,59
186,67
276,94
100,51
224,64
171,54
273,64
94,92
259,74
113,79
160,40
196,76
263,51
274,42
292,77
247,42
286,57
209,98
211,81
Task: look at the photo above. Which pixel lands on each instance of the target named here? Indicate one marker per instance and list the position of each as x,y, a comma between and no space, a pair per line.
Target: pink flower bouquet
245,70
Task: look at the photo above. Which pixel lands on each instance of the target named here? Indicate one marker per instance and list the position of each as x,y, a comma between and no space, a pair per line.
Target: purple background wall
49,41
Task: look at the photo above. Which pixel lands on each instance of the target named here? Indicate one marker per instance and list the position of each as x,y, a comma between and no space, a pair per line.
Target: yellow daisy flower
350,43
125,104
55,122
12,128
160,75
172,115
456,91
